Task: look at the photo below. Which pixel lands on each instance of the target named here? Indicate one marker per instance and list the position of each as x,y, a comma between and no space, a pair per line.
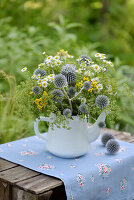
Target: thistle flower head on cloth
106,137
112,146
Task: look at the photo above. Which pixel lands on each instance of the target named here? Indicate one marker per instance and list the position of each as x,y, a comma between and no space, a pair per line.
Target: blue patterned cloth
95,176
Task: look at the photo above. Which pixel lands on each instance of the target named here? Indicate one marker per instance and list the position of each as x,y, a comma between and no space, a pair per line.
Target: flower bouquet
69,89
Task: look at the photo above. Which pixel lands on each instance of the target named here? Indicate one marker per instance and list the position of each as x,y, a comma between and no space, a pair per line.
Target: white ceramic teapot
70,143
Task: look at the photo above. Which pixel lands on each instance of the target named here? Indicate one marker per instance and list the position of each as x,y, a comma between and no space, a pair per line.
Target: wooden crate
20,183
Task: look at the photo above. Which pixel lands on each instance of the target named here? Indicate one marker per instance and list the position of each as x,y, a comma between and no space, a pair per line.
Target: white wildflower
96,79
24,69
33,77
44,84
79,59
99,86
109,88
70,56
41,64
45,79
39,81
111,64
100,55
43,52
96,68
88,73
58,62
83,100
56,57
97,55
79,71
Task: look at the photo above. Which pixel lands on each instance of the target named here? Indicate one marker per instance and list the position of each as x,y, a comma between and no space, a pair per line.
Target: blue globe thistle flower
84,58
57,95
39,72
106,137
60,80
112,146
71,91
67,112
83,108
101,124
36,90
69,72
102,101
86,85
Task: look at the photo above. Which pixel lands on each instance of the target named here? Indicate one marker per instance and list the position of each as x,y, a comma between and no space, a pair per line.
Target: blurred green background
27,28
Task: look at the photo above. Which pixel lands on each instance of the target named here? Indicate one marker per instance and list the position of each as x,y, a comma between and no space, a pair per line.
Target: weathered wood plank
39,184
20,194
46,195
4,165
16,174
5,191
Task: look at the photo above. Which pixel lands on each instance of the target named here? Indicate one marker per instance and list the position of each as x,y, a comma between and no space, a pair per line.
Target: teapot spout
94,130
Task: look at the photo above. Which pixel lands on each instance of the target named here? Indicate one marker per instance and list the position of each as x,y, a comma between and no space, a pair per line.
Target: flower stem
70,103
77,94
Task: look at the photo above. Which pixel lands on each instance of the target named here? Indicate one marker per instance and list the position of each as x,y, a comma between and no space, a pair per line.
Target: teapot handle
36,128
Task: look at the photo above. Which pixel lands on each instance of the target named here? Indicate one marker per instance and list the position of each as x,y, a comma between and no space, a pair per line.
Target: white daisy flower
58,62
48,63
105,61
109,88
79,71
78,59
24,69
49,57
83,65
99,86
102,56
111,64
83,100
41,64
43,52
95,79
51,79
38,76
96,68
33,77
97,55
39,81
51,75
45,79
88,73
70,56
56,57
44,84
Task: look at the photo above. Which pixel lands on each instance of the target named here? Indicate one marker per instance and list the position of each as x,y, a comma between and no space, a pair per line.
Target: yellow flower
39,107
49,57
31,92
51,75
45,93
37,101
86,79
90,90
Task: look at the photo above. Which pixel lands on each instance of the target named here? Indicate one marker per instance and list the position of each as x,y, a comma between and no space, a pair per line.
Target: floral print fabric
95,176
